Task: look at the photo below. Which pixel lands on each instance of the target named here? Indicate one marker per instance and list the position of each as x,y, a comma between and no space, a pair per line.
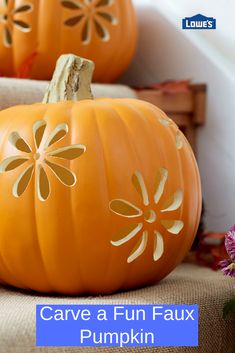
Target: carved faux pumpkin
34,33
96,195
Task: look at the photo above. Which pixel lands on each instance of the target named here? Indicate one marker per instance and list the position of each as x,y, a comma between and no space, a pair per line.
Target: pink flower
230,243
228,265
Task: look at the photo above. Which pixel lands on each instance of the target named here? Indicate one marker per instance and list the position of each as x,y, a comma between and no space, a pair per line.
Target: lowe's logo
199,22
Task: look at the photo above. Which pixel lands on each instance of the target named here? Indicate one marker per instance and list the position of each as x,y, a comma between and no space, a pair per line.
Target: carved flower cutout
41,157
90,14
147,215
9,19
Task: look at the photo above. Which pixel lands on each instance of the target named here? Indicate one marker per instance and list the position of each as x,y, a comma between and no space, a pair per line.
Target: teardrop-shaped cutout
23,181
160,184
12,163
7,38
19,143
43,185
124,208
63,174
4,18
68,152
56,135
71,5
38,132
104,3
108,17
102,31
174,202
24,8
86,32
165,122
173,226
179,140
158,246
139,248
22,26
126,234
139,184
73,20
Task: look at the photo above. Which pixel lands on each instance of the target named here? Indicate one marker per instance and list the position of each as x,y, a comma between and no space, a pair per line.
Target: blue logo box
116,325
199,22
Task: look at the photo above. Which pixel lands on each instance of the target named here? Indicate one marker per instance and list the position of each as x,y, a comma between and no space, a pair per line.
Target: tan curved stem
71,80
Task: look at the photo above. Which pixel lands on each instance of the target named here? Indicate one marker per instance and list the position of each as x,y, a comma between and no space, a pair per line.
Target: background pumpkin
34,33
133,213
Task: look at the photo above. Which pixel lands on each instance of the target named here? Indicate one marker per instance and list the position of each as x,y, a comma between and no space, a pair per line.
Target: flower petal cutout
86,32
178,141
101,30
139,248
73,20
23,181
38,132
4,18
19,143
68,152
66,177
165,121
22,26
43,185
24,8
108,17
104,3
126,234
12,163
139,184
7,38
158,246
124,208
56,135
160,184
71,5
174,202
172,226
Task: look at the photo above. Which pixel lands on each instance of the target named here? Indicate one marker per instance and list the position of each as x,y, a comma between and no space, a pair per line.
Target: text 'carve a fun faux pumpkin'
98,195
33,34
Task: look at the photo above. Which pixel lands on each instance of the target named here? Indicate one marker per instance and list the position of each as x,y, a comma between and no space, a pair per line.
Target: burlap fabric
14,92
186,284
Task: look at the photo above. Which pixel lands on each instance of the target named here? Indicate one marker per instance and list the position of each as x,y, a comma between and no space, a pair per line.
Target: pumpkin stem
71,80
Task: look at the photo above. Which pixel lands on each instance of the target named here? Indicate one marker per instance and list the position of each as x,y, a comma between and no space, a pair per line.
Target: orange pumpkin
96,195
34,33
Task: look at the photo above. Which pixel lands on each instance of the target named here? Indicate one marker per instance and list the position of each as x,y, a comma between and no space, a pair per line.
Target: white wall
167,52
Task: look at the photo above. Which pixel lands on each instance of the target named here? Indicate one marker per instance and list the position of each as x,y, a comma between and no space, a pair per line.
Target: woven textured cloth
186,284
15,91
